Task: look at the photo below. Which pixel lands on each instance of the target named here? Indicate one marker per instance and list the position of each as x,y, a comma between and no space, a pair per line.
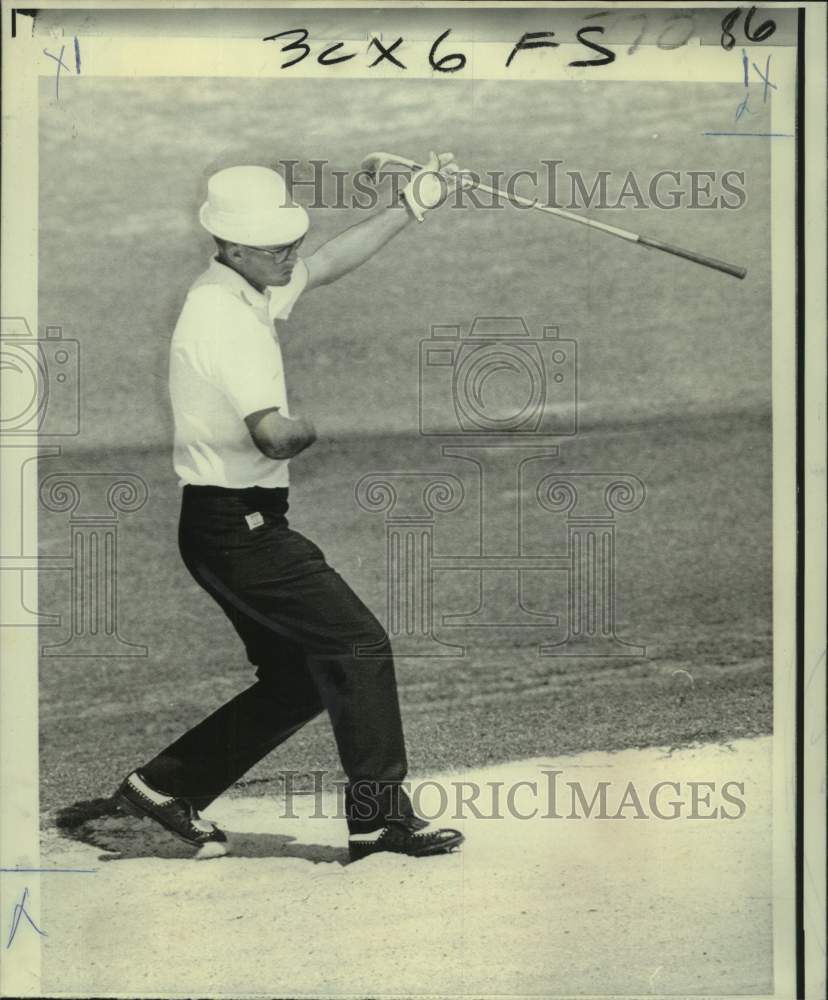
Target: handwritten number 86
765,29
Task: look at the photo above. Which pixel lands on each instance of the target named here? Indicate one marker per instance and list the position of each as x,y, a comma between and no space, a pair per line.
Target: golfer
314,644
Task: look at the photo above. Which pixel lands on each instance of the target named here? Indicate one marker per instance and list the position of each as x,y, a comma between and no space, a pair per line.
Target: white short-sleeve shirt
226,363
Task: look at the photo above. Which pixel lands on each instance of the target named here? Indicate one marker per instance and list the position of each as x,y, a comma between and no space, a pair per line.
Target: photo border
19,835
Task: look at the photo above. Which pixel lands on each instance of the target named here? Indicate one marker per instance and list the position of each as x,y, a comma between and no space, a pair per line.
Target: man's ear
234,251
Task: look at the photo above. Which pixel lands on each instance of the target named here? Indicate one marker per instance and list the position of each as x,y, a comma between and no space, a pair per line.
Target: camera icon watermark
498,378
39,381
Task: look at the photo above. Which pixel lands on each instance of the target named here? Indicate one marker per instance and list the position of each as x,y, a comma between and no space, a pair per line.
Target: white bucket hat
250,205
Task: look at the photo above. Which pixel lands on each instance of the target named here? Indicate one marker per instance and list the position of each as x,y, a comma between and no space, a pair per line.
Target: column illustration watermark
410,501
93,501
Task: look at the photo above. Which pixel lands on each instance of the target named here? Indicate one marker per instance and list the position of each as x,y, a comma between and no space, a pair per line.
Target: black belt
274,498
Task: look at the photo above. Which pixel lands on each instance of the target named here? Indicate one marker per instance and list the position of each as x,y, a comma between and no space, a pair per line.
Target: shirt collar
276,302
221,274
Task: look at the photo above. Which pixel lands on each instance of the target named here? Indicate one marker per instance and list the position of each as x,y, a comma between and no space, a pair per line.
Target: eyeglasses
279,254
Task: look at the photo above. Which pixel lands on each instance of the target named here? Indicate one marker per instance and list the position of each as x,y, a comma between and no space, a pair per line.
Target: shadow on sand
101,823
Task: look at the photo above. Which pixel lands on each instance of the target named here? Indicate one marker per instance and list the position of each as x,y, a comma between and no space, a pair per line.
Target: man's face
261,266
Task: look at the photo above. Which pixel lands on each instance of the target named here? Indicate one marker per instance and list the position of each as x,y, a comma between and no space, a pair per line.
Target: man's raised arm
346,251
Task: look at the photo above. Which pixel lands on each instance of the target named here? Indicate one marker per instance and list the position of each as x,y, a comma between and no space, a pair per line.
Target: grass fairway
693,584
673,381
655,334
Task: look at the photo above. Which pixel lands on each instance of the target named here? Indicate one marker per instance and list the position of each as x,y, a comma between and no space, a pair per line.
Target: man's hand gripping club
429,185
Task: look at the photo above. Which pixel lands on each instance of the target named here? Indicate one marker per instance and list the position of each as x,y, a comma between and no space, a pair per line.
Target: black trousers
315,647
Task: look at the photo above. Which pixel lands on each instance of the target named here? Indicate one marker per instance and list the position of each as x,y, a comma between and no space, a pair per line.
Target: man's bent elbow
290,444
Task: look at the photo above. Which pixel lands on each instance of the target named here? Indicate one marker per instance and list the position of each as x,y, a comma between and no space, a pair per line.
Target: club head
375,162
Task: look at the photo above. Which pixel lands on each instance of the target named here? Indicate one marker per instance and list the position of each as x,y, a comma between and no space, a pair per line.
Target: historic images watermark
552,796
500,399
41,393
321,184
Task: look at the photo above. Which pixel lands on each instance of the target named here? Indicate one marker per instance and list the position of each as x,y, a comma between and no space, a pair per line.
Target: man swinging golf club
302,625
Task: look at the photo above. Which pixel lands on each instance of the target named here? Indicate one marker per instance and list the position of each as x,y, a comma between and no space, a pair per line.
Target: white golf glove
430,186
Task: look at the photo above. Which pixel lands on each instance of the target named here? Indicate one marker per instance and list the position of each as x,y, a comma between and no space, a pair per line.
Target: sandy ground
622,906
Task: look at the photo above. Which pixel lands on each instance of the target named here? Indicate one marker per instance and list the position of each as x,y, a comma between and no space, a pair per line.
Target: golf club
374,163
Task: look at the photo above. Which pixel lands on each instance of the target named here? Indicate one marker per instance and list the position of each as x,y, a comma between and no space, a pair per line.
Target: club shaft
699,258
